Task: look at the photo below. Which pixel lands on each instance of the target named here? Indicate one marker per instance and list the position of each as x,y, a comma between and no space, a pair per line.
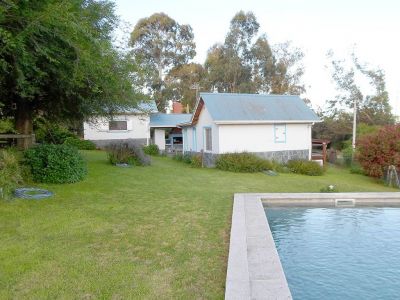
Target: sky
371,27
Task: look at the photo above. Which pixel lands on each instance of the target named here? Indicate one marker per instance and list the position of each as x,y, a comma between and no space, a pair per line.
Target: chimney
177,108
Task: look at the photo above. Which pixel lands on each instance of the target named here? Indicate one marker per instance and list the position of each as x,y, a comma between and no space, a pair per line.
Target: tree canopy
247,63
57,59
160,44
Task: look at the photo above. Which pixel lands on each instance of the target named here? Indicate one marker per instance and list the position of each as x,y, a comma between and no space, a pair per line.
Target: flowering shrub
378,150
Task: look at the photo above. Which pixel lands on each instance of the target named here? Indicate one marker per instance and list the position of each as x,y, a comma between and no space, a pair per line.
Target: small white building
272,126
143,125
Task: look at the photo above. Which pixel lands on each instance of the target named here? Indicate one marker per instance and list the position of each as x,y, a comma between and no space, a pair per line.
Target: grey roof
257,107
168,120
142,107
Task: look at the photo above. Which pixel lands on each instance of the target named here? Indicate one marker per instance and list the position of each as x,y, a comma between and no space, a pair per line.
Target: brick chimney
177,108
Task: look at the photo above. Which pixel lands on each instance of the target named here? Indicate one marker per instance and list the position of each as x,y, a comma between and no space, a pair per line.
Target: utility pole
197,87
354,124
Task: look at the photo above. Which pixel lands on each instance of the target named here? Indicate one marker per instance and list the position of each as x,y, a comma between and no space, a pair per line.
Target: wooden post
324,152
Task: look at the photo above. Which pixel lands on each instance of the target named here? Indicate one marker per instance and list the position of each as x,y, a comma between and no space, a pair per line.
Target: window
208,139
194,140
280,133
118,125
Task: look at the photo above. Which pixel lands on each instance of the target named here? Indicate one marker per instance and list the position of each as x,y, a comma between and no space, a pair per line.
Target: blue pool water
339,253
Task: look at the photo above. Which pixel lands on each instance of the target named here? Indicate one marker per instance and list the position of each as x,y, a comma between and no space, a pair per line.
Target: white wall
159,138
260,138
138,128
204,121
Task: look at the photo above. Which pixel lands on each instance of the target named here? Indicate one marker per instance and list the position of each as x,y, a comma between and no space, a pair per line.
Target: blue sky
315,26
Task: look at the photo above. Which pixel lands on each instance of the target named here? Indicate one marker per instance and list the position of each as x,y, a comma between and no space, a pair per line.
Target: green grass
143,232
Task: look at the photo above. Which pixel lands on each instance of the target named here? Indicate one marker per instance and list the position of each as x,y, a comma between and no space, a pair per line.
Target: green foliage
11,174
355,168
58,58
80,144
347,155
246,63
242,162
178,156
196,161
372,109
160,44
151,149
329,189
6,126
127,153
51,133
305,167
377,151
55,164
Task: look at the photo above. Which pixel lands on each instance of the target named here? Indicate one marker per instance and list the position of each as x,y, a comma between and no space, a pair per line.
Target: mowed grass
157,232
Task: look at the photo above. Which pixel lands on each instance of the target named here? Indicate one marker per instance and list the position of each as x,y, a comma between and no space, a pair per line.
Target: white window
117,125
280,133
208,139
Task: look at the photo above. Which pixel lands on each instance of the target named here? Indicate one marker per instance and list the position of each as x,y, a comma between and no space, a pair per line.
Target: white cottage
142,125
271,126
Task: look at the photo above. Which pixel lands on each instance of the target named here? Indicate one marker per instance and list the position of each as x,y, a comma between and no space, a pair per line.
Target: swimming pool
338,253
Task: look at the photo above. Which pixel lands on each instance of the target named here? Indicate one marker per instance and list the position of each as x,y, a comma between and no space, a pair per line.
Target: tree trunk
24,124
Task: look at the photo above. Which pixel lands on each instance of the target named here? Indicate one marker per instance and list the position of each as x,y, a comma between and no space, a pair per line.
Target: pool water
339,253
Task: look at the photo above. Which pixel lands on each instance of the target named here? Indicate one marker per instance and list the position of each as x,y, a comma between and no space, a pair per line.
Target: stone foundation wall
101,144
279,156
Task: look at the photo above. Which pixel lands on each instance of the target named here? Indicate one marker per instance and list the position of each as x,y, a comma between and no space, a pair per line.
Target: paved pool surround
254,268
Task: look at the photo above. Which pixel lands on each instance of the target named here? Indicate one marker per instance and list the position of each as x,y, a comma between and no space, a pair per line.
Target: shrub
305,167
80,144
378,150
10,172
196,161
49,133
151,149
178,157
355,168
55,164
242,162
187,158
347,156
127,153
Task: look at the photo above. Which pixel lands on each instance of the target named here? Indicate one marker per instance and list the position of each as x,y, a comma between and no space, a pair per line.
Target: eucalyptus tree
160,44
57,60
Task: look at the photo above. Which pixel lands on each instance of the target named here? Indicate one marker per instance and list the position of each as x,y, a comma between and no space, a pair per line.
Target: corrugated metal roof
168,120
257,107
142,107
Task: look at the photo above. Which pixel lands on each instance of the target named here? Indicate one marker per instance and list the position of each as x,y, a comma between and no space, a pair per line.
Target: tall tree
372,108
184,82
247,64
57,58
160,44
230,65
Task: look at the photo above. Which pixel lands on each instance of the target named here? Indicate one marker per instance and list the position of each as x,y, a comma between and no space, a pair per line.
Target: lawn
144,232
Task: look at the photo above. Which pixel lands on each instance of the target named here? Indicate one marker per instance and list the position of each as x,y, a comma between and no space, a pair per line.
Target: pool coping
254,267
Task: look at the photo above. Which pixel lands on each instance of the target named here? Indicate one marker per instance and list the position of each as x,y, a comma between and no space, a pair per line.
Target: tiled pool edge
254,268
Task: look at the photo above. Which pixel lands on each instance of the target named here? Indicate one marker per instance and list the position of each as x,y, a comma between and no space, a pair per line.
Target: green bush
196,161
10,172
178,156
127,153
242,162
347,156
50,133
55,164
151,149
80,144
305,167
355,168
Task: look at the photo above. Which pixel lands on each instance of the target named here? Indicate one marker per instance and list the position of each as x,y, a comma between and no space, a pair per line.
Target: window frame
205,145
280,141
116,121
